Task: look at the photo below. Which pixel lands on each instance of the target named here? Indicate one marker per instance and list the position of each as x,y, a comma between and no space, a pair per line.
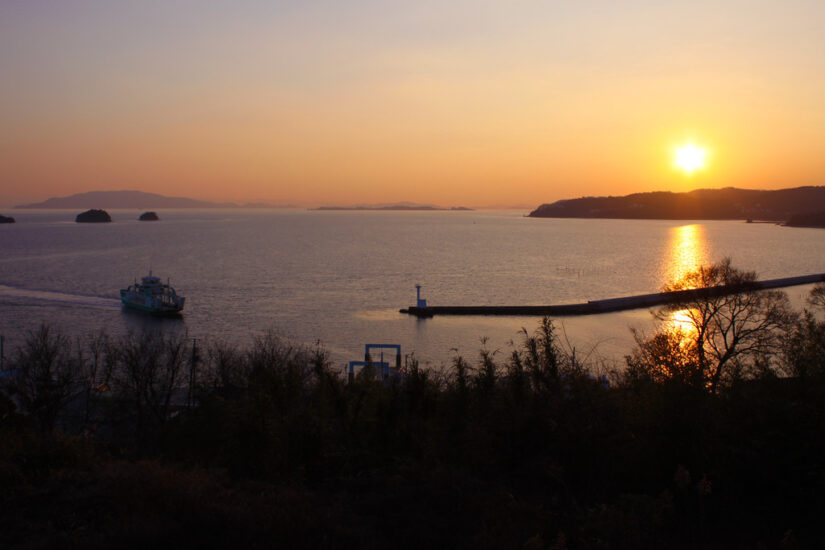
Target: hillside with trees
702,204
814,219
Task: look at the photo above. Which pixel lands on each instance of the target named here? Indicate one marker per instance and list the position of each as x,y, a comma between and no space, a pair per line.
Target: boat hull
140,302
152,310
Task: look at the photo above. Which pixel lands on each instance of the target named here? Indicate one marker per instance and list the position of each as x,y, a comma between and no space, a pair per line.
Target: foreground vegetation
711,437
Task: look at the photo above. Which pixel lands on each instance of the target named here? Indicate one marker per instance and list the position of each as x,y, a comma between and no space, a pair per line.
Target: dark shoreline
728,203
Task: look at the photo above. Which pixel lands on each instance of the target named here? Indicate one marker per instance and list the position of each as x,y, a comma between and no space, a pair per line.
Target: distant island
397,206
133,200
6,219
702,204
149,217
93,216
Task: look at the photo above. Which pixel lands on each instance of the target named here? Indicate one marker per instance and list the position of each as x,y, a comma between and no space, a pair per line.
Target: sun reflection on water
680,322
688,251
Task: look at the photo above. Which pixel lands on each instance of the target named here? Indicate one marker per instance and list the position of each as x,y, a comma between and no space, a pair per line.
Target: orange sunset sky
466,102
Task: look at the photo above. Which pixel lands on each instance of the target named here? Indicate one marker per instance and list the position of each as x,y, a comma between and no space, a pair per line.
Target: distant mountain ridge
130,200
729,203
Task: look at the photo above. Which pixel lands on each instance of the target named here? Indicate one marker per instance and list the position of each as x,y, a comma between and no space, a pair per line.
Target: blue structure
384,366
419,302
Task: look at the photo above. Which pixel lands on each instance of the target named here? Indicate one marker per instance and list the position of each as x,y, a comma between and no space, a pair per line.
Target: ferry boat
151,295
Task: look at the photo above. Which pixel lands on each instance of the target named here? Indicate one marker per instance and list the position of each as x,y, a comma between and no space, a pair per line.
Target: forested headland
729,203
708,434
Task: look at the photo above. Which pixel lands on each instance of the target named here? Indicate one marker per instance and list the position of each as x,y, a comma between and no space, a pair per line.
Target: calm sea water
341,277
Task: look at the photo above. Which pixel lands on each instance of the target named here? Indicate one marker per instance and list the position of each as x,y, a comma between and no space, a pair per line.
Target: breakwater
616,304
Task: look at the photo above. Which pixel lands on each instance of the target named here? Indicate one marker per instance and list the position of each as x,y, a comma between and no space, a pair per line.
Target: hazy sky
463,102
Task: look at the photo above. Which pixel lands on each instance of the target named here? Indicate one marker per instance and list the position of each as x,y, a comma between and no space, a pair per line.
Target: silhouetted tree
720,335
670,355
45,375
804,350
817,296
96,370
148,372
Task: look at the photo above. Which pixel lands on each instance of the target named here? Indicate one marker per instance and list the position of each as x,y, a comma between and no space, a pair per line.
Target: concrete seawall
615,304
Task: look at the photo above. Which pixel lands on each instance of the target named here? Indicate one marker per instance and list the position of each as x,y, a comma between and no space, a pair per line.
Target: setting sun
690,158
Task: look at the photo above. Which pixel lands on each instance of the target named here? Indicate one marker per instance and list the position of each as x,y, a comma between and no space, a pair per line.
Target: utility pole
190,398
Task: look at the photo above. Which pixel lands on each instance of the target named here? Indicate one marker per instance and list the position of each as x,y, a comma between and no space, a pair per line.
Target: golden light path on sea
688,251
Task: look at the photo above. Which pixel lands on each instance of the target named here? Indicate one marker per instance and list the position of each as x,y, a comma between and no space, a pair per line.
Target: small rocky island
93,216
149,217
6,219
